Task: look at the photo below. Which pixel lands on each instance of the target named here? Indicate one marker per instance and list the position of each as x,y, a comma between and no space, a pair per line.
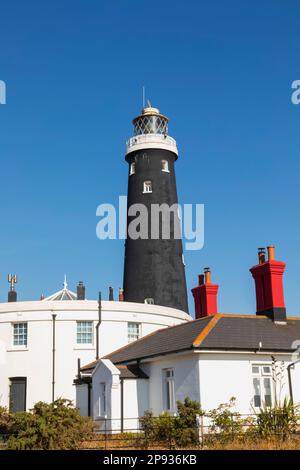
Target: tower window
84,332
134,331
132,168
147,187
20,334
165,166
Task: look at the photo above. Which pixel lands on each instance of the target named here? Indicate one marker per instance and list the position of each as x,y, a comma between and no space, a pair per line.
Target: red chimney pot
205,296
268,277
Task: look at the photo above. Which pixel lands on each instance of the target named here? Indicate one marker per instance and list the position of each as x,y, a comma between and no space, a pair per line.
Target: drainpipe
89,399
98,325
78,368
53,356
289,367
122,404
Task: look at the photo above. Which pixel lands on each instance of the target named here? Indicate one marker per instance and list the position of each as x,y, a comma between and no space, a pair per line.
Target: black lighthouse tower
154,269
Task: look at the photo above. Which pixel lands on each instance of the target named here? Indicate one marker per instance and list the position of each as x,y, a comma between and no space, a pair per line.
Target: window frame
165,163
134,336
18,345
82,332
145,185
261,376
169,398
132,169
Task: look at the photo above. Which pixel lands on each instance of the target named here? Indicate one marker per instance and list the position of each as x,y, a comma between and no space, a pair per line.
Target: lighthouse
154,270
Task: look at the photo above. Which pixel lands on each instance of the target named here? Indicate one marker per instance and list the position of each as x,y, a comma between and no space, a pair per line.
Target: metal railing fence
170,433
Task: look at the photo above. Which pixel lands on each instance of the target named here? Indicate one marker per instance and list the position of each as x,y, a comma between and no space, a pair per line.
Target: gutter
241,351
197,351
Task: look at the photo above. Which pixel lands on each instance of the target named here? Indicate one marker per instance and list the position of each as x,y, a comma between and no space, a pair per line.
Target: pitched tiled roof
246,333
217,332
131,372
171,339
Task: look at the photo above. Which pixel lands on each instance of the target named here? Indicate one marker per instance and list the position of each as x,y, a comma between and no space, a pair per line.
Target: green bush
189,411
281,420
226,423
160,429
54,426
5,421
180,430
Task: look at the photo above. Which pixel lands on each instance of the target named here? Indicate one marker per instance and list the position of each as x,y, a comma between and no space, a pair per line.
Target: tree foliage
179,431
53,426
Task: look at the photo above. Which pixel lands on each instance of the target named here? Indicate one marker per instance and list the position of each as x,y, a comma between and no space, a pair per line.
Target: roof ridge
205,332
242,315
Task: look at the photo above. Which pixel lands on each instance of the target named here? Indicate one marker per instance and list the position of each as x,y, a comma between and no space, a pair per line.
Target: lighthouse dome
150,122
151,131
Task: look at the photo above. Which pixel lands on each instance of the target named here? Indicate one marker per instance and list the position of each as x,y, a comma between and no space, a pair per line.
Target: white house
209,360
41,341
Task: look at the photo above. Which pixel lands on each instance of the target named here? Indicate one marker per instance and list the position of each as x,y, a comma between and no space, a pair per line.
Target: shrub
5,421
53,426
226,423
189,412
5,425
280,420
180,430
160,429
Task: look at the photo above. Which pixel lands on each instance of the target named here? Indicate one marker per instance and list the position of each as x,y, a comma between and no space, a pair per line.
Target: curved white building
41,341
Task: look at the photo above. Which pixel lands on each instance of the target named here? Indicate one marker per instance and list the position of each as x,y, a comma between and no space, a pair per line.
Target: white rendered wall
35,360
186,378
107,373
135,399
82,399
136,402
213,378
223,376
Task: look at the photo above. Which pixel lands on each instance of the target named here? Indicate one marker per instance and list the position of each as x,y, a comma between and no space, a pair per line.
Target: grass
136,442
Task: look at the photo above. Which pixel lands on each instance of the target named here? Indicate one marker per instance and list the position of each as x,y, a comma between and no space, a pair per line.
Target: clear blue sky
221,70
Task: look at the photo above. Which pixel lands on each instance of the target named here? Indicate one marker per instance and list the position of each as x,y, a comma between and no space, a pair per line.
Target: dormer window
147,187
132,168
165,166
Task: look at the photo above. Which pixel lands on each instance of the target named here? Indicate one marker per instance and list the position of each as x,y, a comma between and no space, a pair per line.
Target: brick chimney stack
121,295
205,296
268,277
80,291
